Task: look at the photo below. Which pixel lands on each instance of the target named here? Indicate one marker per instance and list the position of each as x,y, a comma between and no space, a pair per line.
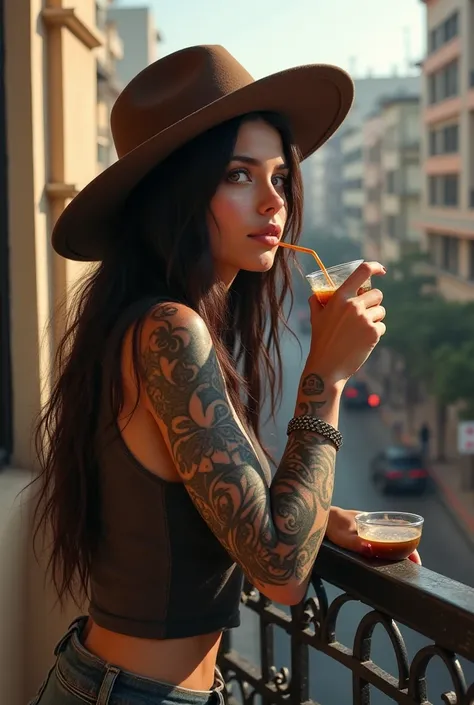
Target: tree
432,336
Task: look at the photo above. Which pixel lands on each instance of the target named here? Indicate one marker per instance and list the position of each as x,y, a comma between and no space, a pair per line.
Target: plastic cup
390,536
324,291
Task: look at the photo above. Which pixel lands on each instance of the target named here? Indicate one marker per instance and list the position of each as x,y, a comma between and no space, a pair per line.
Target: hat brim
315,99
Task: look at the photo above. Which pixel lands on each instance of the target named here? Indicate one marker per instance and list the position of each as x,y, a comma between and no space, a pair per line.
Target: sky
361,36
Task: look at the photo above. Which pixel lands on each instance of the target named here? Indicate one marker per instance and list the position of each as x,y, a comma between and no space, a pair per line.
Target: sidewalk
451,477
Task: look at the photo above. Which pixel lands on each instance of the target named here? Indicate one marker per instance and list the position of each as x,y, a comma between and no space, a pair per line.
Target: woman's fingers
376,313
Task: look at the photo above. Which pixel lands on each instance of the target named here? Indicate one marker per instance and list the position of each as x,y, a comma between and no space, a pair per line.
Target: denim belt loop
75,626
107,685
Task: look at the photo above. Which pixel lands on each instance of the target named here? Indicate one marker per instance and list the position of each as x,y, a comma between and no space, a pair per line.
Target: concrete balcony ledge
67,17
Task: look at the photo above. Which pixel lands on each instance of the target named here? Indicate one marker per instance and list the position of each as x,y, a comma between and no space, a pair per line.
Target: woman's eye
283,180
234,176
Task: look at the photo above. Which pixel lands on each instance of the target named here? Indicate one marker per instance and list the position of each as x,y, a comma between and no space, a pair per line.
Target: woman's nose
271,200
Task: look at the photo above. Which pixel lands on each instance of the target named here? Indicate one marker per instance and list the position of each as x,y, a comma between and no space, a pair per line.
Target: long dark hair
162,248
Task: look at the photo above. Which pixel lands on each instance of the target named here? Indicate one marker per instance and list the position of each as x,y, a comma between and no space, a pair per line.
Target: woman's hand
342,531
348,328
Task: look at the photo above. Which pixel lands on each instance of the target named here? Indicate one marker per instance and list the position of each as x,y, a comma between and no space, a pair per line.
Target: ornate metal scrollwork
313,624
417,684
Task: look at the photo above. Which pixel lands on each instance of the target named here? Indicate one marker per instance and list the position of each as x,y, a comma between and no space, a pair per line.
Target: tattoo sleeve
273,533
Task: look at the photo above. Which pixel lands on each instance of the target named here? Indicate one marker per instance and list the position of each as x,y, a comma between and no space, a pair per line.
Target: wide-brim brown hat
176,99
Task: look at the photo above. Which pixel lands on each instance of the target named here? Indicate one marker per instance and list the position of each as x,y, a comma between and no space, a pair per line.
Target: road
443,547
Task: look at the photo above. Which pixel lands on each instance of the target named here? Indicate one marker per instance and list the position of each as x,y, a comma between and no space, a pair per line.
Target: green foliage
434,336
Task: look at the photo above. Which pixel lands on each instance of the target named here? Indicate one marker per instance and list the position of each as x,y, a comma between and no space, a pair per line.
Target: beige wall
51,139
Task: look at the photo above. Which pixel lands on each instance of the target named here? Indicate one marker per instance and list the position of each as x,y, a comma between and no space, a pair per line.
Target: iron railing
398,593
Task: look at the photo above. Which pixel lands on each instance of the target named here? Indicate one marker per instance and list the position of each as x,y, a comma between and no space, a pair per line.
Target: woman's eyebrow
255,162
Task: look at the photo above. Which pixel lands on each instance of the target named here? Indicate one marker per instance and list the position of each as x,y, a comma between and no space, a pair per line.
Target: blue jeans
80,678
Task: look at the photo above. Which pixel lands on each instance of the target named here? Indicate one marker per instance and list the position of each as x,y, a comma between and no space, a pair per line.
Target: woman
154,479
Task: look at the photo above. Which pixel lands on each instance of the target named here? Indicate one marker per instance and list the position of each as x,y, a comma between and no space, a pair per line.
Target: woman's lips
269,240
269,236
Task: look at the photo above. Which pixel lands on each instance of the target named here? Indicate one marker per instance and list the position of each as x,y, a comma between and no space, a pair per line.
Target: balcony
435,607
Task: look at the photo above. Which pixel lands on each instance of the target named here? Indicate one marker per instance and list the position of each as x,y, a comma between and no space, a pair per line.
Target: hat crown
171,89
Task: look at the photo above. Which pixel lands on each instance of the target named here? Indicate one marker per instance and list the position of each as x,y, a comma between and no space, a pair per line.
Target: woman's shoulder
174,314
167,325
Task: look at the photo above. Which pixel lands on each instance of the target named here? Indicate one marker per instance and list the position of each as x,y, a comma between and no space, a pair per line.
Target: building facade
447,217
400,160
324,171
322,176
373,181
56,66
137,29
352,182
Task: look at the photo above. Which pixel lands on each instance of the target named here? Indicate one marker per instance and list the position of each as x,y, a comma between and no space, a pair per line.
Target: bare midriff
189,663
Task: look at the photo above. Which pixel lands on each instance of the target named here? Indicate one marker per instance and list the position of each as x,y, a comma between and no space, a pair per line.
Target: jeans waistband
102,684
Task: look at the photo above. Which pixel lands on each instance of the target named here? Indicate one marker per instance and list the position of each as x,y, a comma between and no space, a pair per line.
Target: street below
443,548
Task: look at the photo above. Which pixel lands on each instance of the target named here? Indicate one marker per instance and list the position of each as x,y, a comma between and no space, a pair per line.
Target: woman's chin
262,264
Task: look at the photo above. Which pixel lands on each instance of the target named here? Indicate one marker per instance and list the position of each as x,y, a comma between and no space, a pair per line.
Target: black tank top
158,571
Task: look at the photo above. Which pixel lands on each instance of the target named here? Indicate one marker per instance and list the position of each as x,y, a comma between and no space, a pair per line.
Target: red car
357,395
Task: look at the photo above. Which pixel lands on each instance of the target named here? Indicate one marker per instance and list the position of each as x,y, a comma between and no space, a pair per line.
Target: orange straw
316,257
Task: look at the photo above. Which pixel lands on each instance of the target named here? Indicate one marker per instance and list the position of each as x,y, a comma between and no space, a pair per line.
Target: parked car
357,395
400,468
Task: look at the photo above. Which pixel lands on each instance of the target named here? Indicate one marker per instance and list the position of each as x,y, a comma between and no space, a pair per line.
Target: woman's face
248,211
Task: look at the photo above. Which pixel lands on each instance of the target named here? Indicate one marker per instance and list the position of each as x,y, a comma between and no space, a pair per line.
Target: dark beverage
392,543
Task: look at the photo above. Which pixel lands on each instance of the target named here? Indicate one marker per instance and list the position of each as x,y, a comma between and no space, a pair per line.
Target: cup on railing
390,536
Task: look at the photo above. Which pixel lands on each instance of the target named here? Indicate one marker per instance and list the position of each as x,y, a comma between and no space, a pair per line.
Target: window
392,226
444,140
450,254
444,32
353,185
443,190
450,187
433,248
451,27
432,190
444,83
451,79
353,156
471,260
391,181
353,212
451,139
103,153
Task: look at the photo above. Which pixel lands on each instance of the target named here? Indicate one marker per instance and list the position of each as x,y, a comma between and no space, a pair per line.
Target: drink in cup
338,274
391,536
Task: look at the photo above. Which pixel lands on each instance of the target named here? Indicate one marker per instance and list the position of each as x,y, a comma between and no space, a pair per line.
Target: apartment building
324,170
447,217
352,181
322,177
392,182
373,184
109,85
140,36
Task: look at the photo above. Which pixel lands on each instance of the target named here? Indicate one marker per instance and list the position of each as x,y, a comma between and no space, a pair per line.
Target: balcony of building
372,598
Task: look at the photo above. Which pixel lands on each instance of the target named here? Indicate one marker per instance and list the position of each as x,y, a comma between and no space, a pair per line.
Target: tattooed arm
273,533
